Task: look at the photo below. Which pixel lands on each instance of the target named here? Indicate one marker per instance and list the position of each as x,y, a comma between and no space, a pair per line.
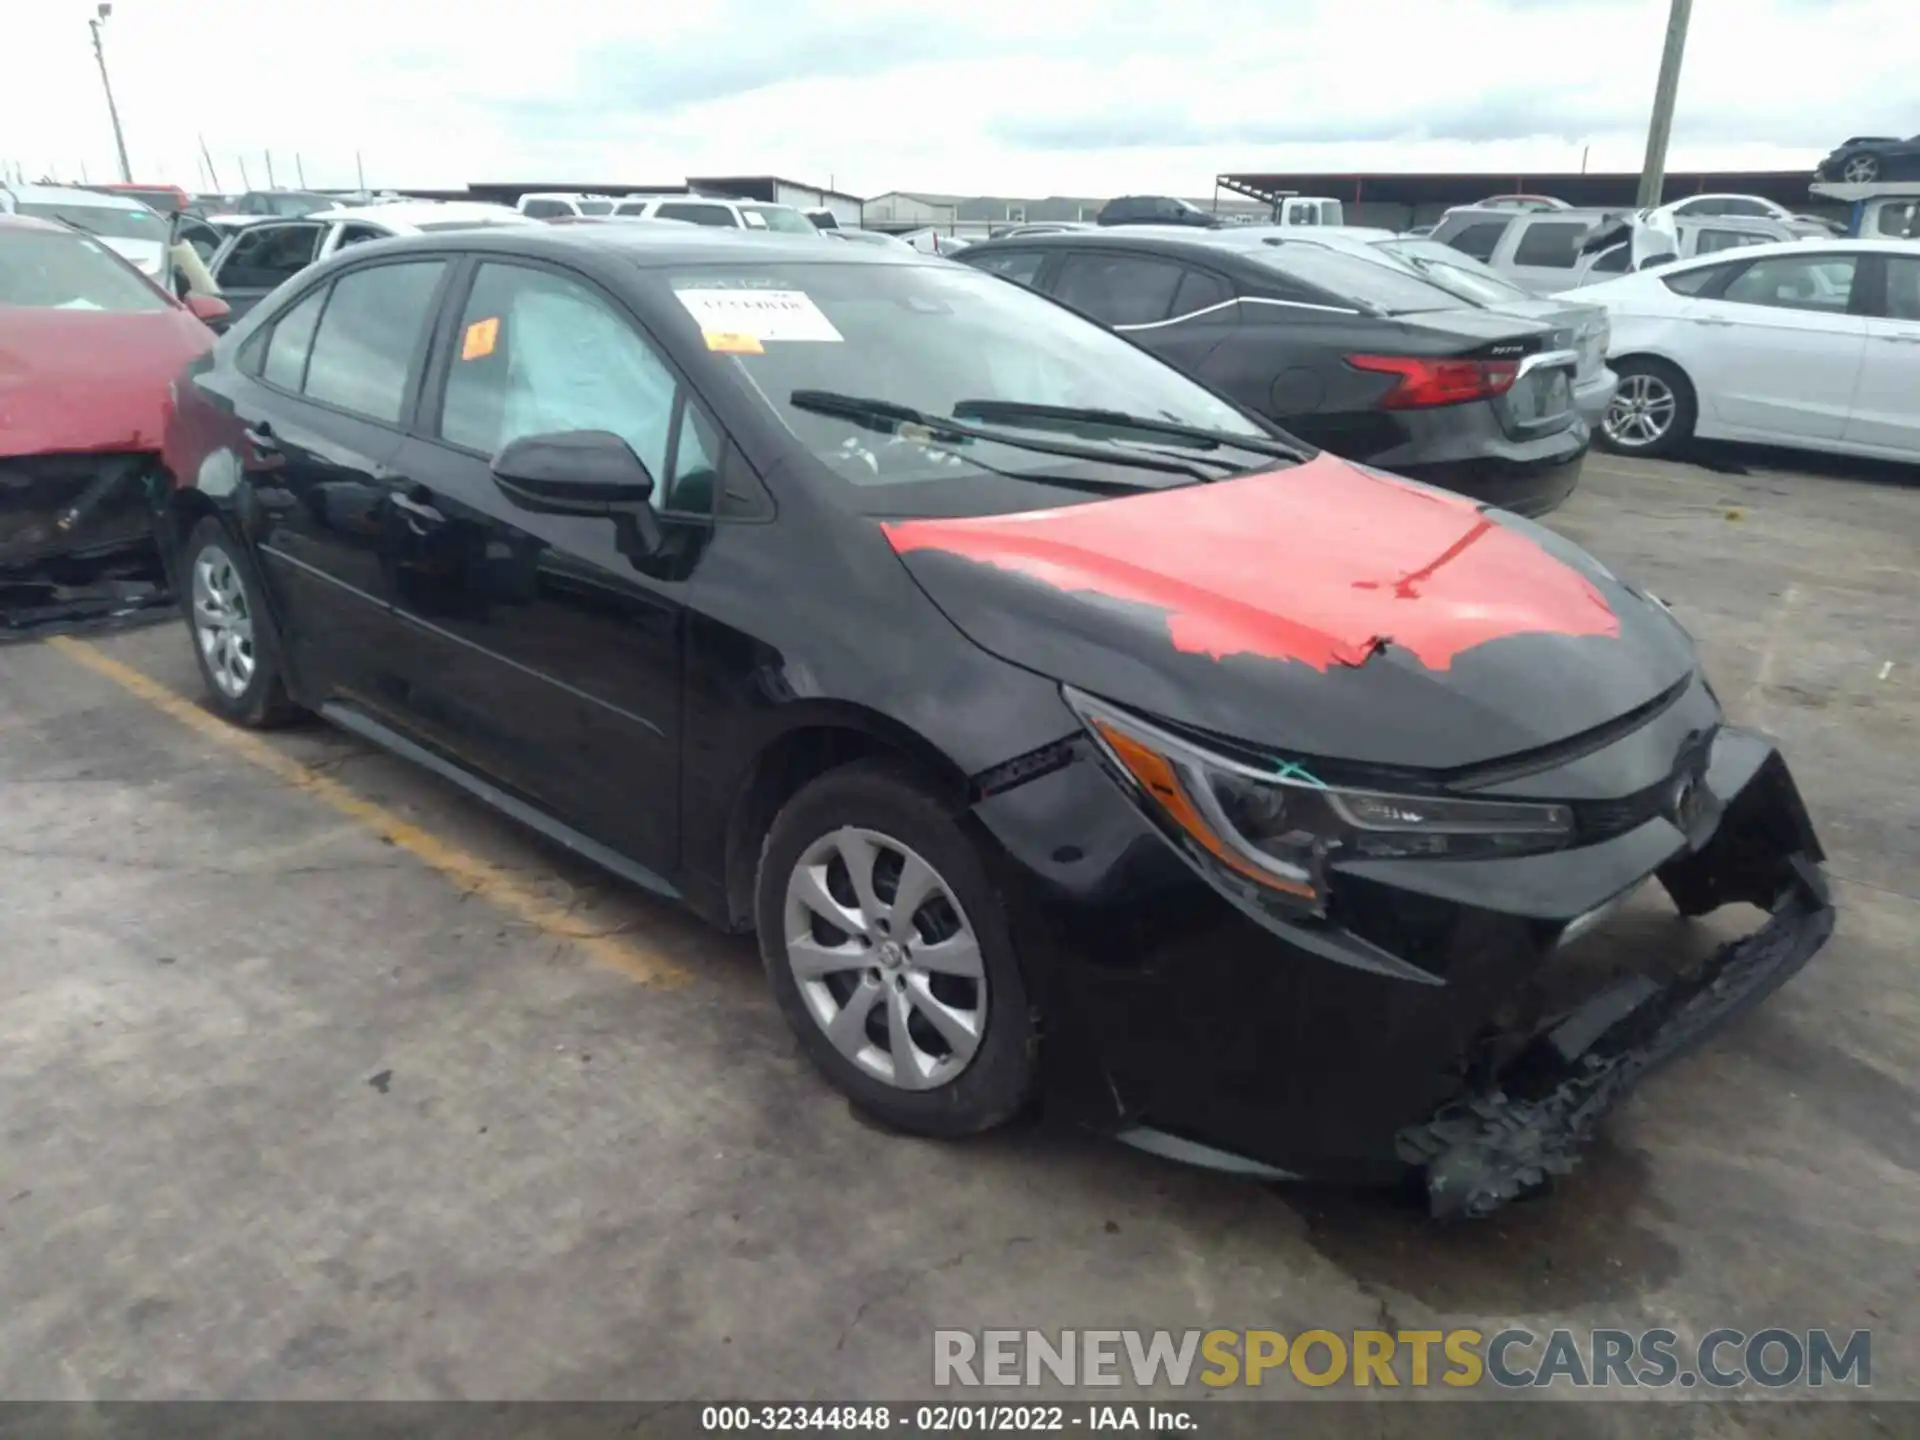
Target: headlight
1280,827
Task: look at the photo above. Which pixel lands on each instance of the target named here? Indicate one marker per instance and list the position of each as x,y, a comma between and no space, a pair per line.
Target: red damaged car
89,348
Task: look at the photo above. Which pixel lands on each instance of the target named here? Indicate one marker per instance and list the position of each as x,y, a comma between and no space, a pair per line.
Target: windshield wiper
886,417
1096,422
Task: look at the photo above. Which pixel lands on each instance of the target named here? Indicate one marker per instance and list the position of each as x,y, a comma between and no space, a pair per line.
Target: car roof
409,214
650,247
73,195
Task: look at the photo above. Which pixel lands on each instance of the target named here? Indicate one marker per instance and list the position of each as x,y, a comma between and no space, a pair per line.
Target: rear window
718,216
596,207
782,217
1367,284
43,270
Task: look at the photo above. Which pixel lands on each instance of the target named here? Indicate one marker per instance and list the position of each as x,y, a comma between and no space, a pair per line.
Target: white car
1706,207
1807,343
562,204
128,228
721,214
257,260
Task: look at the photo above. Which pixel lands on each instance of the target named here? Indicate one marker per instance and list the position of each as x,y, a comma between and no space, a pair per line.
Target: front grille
1670,797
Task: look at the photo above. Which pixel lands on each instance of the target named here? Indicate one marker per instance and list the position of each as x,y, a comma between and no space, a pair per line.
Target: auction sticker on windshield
760,314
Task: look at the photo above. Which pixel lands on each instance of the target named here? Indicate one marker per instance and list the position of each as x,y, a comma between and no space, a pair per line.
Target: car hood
1325,610
78,380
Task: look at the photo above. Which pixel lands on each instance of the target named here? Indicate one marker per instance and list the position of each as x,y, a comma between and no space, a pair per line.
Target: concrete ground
318,1080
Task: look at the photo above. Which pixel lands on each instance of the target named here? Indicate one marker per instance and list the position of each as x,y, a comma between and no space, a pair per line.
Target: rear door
1179,310
544,649
320,398
261,258
1477,235
1886,403
1545,252
1775,349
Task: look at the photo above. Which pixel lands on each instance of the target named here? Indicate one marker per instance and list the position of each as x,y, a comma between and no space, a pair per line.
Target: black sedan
1868,159
1365,359
1060,728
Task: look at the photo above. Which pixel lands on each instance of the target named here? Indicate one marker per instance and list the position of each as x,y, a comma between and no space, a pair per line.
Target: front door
1886,405
318,403
1777,353
544,650
263,257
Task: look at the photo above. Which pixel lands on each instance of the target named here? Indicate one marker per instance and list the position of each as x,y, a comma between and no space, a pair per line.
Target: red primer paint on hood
1322,563
83,380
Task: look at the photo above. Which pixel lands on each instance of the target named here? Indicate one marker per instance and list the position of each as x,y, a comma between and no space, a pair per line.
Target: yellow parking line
469,872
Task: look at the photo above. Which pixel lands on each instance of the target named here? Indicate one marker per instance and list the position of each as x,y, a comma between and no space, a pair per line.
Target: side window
1794,282
1701,208
1710,241
1118,289
1893,219
1020,266
1478,238
1696,282
359,235
539,354
632,207
545,209
1746,207
268,255
1612,261
718,216
285,365
1554,244
365,345
1903,288
1199,290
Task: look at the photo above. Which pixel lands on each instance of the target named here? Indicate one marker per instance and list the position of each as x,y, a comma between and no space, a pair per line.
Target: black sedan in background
1867,159
1362,358
1059,727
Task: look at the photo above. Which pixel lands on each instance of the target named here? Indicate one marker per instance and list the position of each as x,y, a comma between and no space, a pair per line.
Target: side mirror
210,309
589,473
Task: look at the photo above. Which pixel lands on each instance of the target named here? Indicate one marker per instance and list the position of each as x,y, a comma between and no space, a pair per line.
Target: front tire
1652,414
890,954
233,636
1861,169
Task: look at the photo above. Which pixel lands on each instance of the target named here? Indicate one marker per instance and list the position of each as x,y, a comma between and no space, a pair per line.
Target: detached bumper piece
1482,1152
76,544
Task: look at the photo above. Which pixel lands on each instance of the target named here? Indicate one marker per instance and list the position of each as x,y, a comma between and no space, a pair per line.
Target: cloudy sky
1013,97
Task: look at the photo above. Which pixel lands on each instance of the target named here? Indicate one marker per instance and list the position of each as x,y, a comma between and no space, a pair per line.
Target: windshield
926,337
470,222
46,270
1352,278
288,205
781,217
110,222
595,207
1453,270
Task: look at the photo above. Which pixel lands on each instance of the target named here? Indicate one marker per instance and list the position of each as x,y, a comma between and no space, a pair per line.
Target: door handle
1903,339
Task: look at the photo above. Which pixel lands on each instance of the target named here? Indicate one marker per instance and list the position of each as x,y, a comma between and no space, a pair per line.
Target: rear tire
911,1004
1653,412
234,641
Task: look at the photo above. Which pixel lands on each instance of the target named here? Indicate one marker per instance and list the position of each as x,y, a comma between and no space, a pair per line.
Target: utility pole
272,184
207,155
360,170
1653,171
98,23
300,169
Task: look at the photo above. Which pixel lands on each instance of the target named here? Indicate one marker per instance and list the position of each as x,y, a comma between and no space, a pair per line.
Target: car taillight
1422,382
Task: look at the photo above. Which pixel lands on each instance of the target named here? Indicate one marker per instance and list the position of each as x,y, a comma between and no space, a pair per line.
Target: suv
719,213
1154,210
556,205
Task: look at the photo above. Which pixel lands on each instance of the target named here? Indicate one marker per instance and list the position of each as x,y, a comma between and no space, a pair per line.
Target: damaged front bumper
77,541
1480,1152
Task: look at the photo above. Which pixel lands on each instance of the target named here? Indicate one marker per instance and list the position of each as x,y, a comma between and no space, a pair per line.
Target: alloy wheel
1861,170
1640,413
223,621
885,959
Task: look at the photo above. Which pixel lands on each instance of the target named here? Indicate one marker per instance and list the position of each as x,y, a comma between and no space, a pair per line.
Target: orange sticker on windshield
733,342
480,338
